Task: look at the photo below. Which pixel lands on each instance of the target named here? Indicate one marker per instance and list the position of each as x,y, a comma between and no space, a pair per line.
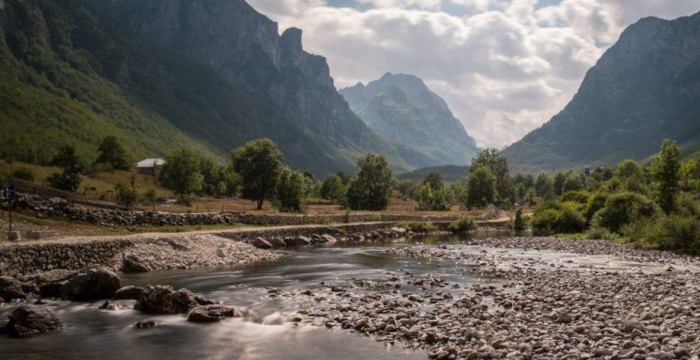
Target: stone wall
75,254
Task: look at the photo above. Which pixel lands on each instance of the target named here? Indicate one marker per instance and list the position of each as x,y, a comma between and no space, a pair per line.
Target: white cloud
503,66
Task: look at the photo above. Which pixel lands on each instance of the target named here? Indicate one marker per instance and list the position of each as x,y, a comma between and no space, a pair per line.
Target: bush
418,226
290,190
595,203
625,208
464,224
580,197
519,223
125,195
681,233
557,218
597,232
24,173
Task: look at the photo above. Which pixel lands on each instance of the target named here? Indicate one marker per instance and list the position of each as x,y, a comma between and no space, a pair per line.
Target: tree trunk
260,203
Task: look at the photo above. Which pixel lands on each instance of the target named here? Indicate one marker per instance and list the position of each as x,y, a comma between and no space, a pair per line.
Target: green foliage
259,163
481,187
519,222
112,152
409,188
333,189
181,173
558,184
418,226
149,197
580,197
24,173
625,208
595,203
557,218
456,193
676,232
290,190
432,193
666,171
371,188
572,182
125,195
544,186
498,165
464,224
69,178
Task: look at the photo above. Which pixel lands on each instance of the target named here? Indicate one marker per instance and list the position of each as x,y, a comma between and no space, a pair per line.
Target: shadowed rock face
643,89
401,108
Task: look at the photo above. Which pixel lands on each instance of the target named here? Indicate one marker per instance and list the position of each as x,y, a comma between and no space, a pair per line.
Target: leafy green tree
259,163
572,182
558,184
181,174
150,197
290,189
69,178
544,187
481,187
519,222
213,178
333,189
456,193
371,188
125,195
666,170
432,193
498,165
112,152
409,188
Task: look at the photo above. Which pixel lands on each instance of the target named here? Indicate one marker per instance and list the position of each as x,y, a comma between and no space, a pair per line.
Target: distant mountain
162,74
402,109
449,173
646,87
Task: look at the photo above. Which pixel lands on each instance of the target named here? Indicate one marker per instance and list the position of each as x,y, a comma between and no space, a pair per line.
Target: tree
371,188
112,152
125,195
666,170
432,193
69,178
213,178
498,165
290,189
259,164
333,189
572,182
544,187
150,197
558,184
481,187
181,174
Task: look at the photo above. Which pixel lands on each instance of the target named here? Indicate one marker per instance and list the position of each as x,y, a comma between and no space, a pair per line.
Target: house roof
149,163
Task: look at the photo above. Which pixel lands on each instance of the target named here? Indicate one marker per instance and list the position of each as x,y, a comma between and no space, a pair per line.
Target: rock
91,284
329,239
212,313
562,317
631,325
261,243
11,288
162,299
134,264
299,241
277,242
30,320
14,236
129,292
145,324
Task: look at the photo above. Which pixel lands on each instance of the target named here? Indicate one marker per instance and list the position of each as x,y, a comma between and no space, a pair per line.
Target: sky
504,67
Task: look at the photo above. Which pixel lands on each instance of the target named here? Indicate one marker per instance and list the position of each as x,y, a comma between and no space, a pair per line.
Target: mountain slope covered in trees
401,108
163,74
646,87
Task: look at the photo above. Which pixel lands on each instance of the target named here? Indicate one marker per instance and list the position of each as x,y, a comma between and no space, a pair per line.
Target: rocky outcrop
163,299
129,292
212,313
91,284
10,289
30,320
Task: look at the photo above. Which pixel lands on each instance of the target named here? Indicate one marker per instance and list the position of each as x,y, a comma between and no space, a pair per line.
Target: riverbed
280,298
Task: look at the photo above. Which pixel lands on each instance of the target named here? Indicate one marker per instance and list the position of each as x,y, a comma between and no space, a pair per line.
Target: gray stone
91,284
30,320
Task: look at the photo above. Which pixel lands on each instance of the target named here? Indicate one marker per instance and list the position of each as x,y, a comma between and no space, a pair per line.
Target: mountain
646,87
402,109
163,74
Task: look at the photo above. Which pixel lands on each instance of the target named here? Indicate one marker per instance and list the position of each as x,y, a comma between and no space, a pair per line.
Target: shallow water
94,333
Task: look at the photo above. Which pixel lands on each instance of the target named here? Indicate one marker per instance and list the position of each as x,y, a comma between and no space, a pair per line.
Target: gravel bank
568,299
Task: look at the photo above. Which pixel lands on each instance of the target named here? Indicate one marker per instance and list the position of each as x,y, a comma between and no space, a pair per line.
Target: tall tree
432,194
371,188
333,189
259,163
181,173
290,189
481,187
498,165
544,187
112,152
558,184
666,170
69,178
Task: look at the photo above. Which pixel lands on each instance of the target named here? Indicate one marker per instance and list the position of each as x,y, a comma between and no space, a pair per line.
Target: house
149,166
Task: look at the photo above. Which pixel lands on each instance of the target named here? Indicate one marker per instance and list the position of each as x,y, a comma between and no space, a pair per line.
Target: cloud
504,66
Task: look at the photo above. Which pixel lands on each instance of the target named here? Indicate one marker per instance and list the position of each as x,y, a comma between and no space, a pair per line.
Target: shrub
553,218
24,173
544,222
125,195
464,224
595,203
625,208
519,223
290,190
418,226
597,232
675,232
580,197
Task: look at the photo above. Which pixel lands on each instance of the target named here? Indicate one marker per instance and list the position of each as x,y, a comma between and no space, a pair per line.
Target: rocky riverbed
539,303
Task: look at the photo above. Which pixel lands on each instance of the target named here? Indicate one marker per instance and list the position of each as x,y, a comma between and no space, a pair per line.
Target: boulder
129,292
212,313
29,320
162,299
298,241
10,288
145,324
329,239
91,284
134,264
261,243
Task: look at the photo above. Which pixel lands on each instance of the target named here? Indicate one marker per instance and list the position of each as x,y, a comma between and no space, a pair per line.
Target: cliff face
402,109
244,47
645,88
